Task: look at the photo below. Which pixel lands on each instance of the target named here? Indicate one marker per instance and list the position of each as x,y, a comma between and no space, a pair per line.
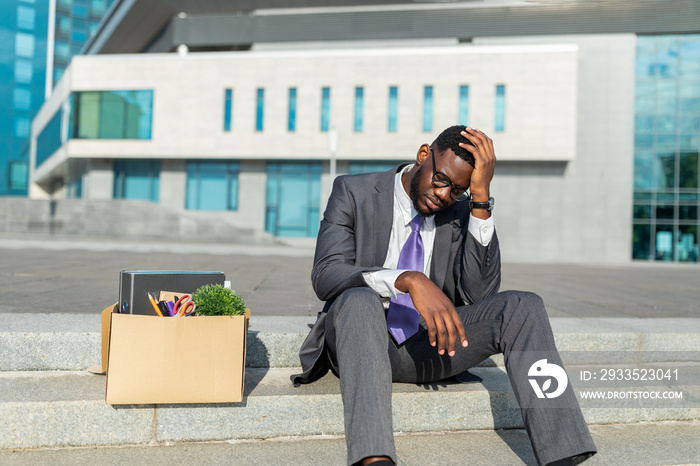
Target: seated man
409,267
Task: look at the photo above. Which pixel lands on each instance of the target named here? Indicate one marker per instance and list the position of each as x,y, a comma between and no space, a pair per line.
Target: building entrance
293,199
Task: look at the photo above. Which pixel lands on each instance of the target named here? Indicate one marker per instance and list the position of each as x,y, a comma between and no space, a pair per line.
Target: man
409,268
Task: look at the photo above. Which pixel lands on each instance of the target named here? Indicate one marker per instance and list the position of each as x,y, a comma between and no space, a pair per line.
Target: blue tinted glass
23,71
393,109
49,139
97,7
62,50
500,123
25,17
22,99
212,186
57,74
22,127
260,108
325,108
78,37
24,45
428,108
293,199
463,113
80,11
112,114
292,110
359,108
228,103
62,24
690,56
19,174
137,179
667,56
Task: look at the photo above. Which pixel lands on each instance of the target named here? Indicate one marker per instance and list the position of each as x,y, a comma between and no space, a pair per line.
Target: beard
415,193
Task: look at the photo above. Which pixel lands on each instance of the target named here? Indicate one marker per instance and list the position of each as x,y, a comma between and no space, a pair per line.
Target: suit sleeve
334,269
478,269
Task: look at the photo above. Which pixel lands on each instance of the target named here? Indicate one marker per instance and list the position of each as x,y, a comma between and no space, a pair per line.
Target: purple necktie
402,318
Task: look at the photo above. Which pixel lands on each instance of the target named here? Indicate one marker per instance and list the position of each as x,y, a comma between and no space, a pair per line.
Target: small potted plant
215,300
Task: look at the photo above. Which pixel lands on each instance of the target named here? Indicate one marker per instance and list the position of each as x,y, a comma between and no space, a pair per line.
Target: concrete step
71,342
53,409
630,444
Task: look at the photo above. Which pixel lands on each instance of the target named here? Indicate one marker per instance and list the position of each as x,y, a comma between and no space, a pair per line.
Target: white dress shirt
382,281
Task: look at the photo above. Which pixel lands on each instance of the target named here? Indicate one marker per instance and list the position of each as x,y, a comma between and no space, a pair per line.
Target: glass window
428,108
228,104
664,242
19,175
97,7
643,170
641,242
293,199
22,99
212,186
24,71
24,45
689,56
80,11
62,50
500,107
22,127
78,37
687,246
259,109
112,114
359,108
665,168
58,74
688,170
137,179
393,109
292,110
63,25
49,139
25,17
325,108
463,112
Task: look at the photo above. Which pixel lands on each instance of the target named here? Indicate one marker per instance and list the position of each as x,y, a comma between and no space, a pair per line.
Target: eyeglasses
440,180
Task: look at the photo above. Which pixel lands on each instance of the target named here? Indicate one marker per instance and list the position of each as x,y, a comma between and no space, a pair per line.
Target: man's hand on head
444,324
484,165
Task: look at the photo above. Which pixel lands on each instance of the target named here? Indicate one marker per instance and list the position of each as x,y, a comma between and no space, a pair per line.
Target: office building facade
245,116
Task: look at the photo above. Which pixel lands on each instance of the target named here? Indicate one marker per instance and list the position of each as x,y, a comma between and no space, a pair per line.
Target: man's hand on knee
444,325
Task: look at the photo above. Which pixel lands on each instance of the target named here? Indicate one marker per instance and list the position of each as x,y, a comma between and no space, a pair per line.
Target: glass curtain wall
667,142
212,185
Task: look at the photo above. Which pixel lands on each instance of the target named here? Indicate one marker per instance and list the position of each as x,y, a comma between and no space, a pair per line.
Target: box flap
101,369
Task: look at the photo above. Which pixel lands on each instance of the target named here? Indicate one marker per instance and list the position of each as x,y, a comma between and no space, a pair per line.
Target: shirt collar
403,201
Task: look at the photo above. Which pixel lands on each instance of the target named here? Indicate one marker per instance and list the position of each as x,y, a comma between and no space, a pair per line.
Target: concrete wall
125,219
580,210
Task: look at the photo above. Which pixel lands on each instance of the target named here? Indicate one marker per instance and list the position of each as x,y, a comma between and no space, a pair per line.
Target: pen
155,306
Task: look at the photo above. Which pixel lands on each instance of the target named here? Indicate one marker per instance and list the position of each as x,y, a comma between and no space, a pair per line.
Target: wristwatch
481,205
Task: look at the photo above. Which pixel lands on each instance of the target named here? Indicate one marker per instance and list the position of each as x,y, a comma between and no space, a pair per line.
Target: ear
423,154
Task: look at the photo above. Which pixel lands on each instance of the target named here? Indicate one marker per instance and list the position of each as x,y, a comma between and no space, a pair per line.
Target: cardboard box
153,360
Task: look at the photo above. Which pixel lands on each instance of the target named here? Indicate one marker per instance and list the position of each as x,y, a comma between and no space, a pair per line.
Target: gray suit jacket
354,238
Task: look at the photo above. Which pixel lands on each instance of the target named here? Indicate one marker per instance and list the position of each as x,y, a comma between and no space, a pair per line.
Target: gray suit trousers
368,361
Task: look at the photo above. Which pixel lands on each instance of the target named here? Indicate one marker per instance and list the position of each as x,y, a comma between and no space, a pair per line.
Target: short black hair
450,139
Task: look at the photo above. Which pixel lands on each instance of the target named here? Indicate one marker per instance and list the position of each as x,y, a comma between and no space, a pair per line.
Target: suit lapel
444,227
383,215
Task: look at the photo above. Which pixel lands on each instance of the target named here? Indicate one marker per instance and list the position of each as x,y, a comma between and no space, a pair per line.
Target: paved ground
671,443
40,275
